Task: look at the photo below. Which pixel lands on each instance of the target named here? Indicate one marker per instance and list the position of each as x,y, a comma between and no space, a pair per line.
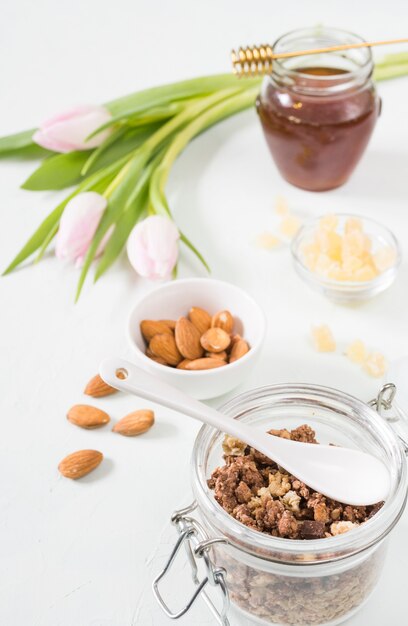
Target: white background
83,553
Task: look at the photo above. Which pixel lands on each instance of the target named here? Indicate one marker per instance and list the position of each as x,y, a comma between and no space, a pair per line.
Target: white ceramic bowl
173,300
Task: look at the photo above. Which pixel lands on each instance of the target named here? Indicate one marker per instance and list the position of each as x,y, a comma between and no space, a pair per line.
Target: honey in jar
318,111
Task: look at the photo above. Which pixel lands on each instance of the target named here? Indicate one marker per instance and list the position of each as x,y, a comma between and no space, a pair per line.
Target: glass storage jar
271,580
318,111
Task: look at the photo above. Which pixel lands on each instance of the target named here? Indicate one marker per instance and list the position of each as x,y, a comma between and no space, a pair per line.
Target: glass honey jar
318,111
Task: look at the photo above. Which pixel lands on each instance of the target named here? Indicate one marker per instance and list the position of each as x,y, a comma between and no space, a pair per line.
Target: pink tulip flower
69,131
78,225
152,247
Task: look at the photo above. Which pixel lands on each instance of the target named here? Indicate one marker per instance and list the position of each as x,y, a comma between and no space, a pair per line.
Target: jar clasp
385,405
198,544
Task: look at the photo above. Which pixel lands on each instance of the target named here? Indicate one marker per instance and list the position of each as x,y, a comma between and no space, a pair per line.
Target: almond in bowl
189,343
201,335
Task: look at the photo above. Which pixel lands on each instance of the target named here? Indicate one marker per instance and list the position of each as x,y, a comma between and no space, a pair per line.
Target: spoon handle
343,474
125,376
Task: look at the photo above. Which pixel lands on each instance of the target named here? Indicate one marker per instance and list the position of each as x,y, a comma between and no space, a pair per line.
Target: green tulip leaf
57,172
17,141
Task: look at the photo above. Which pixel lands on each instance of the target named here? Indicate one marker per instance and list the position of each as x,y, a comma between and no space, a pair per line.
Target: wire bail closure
198,544
385,405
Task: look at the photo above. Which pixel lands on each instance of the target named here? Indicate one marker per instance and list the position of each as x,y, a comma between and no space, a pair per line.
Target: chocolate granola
263,496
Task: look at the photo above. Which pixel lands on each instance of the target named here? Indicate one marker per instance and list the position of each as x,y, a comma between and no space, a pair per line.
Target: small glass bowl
348,291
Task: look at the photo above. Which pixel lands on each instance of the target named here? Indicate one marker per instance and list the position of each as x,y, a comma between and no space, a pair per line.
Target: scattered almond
188,339
87,416
150,328
80,463
215,340
204,364
224,320
200,318
238,350
135,423
97,388
164,346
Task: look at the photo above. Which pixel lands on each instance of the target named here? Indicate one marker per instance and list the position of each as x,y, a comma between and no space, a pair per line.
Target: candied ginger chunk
375,365
356,351
267,241
323,264
328,222
352,224
281,206
353,244
330,244
323,338
367,272
290,225
384,258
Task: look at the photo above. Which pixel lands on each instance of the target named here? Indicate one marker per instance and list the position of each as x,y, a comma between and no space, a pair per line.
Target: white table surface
83,553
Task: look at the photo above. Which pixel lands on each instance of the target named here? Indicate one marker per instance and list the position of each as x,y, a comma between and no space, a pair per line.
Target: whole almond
97,388
135,423
217,355
153,357
80,463
164,346
188,339
200,318
215,340
87,416
150,328
183,364
205,364
234,339
224,320
170,323
238,350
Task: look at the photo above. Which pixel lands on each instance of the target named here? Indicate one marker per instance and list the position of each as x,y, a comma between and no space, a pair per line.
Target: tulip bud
69,131
78,225
152,247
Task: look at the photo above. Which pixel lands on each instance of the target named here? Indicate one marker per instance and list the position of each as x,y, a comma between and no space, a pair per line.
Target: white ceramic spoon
343,474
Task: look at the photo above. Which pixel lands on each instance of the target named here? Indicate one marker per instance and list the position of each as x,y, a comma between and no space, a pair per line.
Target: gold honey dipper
258,60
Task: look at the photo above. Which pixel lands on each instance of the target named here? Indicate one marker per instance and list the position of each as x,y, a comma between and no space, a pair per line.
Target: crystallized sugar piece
375,365
328,222
290,225
338,528
323,338
384,258
357,351
281,205
267,241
